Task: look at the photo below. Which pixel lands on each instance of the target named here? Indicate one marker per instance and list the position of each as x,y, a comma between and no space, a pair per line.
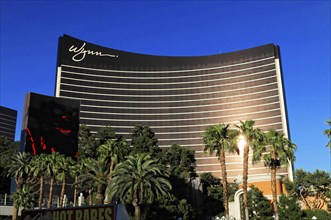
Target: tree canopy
179,161
313,189
143,140
157,182
327,132
259,206
8,148
139,179
288,208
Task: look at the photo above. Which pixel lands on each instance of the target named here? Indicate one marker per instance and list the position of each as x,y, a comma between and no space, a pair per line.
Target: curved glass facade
178,97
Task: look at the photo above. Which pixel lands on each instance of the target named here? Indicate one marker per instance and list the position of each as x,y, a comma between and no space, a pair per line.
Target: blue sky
30,29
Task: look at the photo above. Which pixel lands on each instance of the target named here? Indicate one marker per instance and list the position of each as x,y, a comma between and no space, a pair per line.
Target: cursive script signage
80,53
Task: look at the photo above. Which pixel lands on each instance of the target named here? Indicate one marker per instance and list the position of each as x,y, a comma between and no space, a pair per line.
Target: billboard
102,212
50,124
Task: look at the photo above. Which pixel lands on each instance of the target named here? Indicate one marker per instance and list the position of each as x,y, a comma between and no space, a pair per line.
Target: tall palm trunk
15,213
274,191
41,191
62,192
245,178
19,182
225,184
75,192
137,212
111,168
50,197
273,186
136,206
90,202
99,196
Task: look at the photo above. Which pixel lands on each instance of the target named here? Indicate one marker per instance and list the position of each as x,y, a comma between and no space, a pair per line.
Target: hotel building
178,97
8,119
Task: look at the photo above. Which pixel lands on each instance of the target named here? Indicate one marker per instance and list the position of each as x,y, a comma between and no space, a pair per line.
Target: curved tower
178,97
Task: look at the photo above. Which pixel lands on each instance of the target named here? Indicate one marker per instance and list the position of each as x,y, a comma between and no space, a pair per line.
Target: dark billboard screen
50,124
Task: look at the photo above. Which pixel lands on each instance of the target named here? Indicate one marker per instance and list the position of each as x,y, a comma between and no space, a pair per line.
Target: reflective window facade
178,97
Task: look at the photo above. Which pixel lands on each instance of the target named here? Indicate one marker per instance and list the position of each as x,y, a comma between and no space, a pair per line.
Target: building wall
8,119
50,124
178,97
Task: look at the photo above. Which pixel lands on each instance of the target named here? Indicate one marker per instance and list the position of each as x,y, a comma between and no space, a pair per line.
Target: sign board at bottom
102,212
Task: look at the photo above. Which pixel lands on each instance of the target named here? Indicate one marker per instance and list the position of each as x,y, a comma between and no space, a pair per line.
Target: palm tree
112,152
38,169
253,139
139,179
280,152
220,138
19,168
24,198
65,164
94,176
52,166
84,182
327,132
76,170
